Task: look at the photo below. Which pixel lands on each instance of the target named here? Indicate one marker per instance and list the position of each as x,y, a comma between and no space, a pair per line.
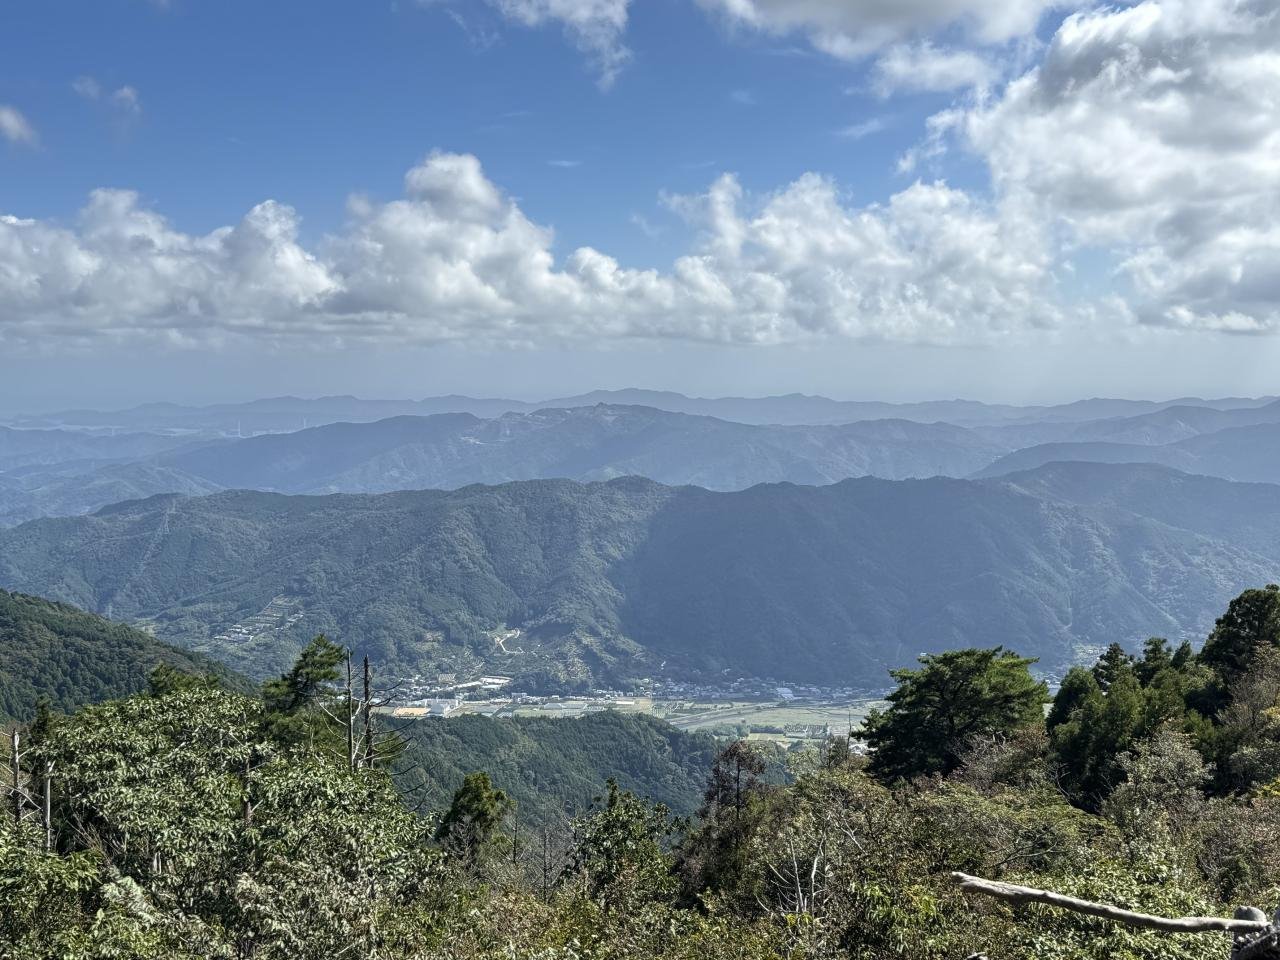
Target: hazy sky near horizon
902,199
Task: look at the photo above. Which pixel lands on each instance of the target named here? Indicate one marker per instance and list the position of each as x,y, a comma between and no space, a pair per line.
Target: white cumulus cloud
456,258
1153,131
124,270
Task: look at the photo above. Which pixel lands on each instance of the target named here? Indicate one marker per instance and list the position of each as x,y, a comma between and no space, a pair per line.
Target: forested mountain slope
73,658
610,581
552,767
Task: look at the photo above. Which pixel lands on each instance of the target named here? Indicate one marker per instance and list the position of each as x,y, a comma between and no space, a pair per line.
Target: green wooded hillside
610,581
553,767
73,658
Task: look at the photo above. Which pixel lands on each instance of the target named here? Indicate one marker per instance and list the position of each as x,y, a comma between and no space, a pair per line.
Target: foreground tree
296,702
471,824
620,857
713,855
1252,621
938,710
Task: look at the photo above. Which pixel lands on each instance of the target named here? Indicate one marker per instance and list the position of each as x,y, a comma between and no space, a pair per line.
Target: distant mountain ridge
1167,425
454,450
295,413
609,581
60,472
1244,453
27,448
582,443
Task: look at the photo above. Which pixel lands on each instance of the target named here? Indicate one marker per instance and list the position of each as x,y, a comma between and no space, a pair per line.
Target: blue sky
306,102
882,239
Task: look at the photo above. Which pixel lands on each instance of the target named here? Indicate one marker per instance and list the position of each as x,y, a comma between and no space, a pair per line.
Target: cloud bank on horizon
1146,134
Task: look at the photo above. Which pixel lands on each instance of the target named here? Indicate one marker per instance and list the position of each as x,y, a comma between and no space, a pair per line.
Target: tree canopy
187,822
938,710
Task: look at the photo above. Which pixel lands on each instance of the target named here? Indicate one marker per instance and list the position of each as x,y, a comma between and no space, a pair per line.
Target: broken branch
1017,894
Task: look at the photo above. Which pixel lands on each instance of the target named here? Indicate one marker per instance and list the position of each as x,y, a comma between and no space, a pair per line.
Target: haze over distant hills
591,443
1166,425
609,581
453,450
281,414
1250,453
53,472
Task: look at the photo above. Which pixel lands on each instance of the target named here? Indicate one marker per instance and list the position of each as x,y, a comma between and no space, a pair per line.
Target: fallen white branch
1016,894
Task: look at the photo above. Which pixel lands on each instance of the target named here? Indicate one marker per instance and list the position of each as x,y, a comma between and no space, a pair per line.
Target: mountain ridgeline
63,472
611,581
456,449
594,443
281,414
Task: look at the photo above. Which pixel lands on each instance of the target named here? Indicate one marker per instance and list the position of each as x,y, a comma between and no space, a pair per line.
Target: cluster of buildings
446,693
752,689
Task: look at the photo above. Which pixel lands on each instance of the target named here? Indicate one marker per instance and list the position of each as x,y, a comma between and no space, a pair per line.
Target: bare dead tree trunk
351,720
15,766
368,713
515,837
547,862
48,806
737,794
246,809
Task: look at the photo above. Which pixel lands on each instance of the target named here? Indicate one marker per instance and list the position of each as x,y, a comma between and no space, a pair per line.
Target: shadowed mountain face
609,581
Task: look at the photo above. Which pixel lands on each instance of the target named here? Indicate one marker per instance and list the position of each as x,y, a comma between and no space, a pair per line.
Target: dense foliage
609,582
193,822
1223,700
69,657
954,699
